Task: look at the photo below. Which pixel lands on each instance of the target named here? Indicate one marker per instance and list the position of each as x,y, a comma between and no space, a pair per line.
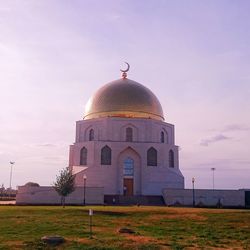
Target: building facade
123,144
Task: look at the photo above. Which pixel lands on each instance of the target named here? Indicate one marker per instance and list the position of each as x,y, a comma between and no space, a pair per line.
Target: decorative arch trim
126,135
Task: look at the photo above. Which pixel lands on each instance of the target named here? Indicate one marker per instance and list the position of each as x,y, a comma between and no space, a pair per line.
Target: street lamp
84,189
213,169
11,165
193,192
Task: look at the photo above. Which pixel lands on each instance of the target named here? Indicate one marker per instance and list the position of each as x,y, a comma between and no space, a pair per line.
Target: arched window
171,158
91,135
152,157
106,156
128,167
162,137
83,156
129,134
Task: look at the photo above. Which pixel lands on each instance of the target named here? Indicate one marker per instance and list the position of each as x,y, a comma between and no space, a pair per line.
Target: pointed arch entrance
129,173
128,177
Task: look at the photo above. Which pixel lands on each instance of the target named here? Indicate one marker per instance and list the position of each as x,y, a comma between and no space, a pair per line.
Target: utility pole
11,166
193,192
213,169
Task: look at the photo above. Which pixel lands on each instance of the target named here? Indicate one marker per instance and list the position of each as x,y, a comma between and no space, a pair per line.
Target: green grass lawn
21,227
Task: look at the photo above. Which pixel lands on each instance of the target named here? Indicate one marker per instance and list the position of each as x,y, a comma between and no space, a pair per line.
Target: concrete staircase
148,200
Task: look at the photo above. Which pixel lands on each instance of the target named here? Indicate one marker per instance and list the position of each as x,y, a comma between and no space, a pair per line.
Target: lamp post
213,169
84,189
193,192
11,166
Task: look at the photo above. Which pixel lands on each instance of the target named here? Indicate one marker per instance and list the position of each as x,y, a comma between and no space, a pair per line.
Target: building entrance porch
129,173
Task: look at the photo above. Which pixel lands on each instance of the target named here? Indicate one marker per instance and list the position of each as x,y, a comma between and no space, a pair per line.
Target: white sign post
90,222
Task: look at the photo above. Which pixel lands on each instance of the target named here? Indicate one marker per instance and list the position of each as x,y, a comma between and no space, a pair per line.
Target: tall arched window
83,156
162,137
128,167
152,157
106,155
91,135
171,158
129,134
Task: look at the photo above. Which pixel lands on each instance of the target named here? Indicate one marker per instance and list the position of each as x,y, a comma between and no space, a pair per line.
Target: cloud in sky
236,127
214,139
47,145
231,128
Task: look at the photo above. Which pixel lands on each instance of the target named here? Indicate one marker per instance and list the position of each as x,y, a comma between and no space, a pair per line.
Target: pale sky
194,55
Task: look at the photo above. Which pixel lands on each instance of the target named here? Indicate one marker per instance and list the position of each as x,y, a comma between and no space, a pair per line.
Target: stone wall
204,197
46,195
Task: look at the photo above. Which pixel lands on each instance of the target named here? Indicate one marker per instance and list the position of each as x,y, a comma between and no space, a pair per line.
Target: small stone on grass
126,231
53,240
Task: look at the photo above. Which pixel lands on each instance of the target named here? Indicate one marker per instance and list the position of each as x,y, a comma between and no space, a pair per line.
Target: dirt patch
139,239
80,240
16,243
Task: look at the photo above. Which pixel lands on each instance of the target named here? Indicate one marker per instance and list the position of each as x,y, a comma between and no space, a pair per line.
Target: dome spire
124,71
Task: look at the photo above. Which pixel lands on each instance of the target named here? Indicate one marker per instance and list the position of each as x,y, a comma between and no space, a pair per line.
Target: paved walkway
7,202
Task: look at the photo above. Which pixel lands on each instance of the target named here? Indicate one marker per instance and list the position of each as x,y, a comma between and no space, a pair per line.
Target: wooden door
128,187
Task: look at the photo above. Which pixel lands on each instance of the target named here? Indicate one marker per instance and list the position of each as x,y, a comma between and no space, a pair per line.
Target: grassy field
155,227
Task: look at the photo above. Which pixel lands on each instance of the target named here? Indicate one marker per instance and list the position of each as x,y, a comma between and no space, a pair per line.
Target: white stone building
123,143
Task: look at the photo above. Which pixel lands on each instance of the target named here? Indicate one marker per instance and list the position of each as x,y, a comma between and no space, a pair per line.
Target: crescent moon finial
124,71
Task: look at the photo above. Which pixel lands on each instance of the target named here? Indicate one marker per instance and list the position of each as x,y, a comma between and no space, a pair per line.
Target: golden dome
124,98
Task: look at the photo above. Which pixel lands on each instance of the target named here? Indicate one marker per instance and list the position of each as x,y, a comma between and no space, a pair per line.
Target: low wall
204,197
46,195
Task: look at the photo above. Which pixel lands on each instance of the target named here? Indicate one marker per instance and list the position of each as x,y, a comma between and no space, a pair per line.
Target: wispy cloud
223,164
113,17
34,145
236,127
46,145
214,139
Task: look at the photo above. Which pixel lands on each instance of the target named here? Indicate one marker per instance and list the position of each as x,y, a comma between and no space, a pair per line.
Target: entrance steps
148,200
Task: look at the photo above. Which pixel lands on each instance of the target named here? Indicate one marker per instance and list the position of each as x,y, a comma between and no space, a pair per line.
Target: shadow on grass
40,245
112,213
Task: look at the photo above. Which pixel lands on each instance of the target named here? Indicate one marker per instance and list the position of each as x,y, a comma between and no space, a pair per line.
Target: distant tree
32,184
2,189
64,184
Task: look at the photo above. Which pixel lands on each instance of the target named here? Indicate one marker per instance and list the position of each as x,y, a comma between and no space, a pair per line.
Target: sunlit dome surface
124,98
